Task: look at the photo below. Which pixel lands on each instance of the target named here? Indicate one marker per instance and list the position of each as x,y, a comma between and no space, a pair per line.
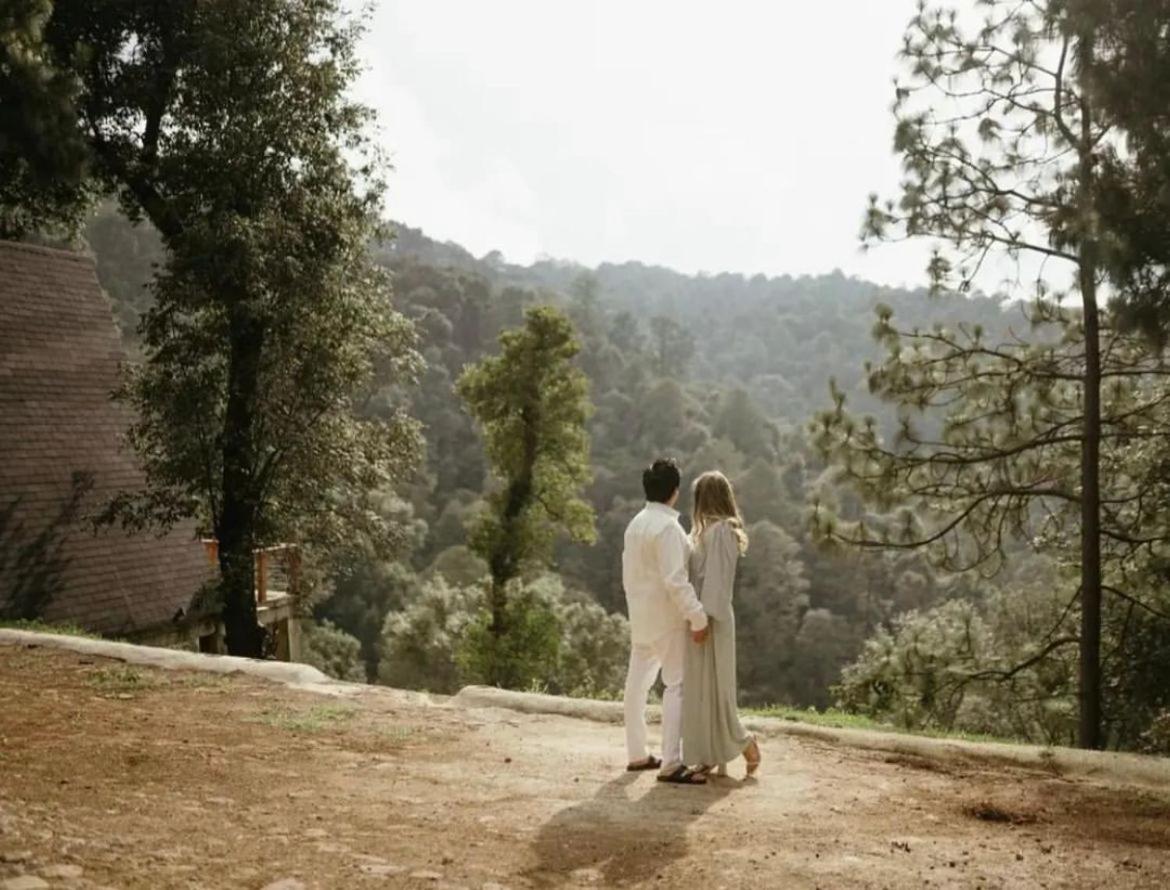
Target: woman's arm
719,571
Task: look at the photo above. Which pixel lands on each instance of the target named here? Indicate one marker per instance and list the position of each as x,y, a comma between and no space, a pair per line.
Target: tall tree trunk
1089,732
237,526
1089,735
504,564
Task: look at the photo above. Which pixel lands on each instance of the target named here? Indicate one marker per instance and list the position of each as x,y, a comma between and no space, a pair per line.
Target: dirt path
113,776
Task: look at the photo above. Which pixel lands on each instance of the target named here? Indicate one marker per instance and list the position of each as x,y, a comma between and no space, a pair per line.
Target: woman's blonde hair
714,501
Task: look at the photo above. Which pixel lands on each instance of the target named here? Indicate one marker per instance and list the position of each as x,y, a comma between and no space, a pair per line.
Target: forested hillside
722,372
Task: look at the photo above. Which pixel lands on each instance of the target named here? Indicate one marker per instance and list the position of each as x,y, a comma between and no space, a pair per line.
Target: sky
743,136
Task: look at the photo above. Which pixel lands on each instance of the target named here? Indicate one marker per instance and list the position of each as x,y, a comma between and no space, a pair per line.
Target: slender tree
1001,144
531,404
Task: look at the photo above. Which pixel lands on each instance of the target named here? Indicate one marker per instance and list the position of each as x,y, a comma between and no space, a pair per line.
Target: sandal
650,762
684,775
753,763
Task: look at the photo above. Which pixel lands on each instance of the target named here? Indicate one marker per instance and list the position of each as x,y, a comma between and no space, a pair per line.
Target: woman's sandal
753,762
684,775
712,769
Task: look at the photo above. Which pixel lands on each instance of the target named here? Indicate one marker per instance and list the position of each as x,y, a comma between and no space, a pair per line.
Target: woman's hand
700,636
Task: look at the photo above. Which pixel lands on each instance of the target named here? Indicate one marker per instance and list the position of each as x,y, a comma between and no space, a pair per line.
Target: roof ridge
79,256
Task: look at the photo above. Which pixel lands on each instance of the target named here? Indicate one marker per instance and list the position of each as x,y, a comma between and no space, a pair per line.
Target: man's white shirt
659,594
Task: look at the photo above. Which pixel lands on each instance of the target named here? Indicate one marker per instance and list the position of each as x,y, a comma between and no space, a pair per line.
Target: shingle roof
62,456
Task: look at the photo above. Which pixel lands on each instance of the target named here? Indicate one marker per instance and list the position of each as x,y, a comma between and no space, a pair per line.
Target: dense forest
956,501
722,372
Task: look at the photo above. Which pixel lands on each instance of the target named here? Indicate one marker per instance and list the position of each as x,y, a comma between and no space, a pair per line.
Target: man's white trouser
646,660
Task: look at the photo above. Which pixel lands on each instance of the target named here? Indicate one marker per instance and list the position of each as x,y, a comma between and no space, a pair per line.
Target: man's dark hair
661,480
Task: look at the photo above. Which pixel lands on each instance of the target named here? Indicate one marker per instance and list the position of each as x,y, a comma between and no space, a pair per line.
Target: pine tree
1001,142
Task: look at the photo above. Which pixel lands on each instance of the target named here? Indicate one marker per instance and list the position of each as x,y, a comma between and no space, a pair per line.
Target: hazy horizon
742,141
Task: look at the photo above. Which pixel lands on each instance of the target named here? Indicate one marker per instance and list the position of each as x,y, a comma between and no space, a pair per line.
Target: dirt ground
113,776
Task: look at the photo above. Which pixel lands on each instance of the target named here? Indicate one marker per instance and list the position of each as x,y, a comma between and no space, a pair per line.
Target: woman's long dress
712,733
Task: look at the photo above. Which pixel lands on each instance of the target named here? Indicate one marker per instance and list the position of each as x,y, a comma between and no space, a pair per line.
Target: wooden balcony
277,573
276,569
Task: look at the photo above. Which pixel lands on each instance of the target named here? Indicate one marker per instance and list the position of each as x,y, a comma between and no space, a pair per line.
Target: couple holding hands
678,591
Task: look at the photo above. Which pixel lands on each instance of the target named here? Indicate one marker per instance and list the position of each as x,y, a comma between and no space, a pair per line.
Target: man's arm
672,561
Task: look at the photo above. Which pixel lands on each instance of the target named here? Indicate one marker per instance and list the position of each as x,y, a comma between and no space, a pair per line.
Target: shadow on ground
623,834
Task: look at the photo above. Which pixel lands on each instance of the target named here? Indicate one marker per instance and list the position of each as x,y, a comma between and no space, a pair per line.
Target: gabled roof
62,457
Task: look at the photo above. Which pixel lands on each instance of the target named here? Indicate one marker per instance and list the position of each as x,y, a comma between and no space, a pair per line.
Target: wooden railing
283,560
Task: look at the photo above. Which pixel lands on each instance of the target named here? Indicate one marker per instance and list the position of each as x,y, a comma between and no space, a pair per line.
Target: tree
956,667
594,653
228,127
333,652
1008,164
43,169
555,643
420,644
363,594
771,600
531,405
1129,76
823,646
742,422
674,347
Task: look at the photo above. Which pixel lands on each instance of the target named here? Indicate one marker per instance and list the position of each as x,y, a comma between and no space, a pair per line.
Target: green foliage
1008,154
1130,79
958,667
527,654
332,651
595,651
741,422
673,347
43,627
315,719
230,129
531,405
835,718
361,596
442,641
43,160
771,602
637,414
420,644
122,681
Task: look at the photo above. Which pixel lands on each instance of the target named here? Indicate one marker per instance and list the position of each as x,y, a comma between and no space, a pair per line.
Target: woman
712,733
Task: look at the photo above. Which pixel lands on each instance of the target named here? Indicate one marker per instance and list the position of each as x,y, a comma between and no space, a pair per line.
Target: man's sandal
683,775
650,762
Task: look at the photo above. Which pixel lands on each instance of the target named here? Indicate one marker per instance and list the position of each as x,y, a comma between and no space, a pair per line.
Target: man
661,604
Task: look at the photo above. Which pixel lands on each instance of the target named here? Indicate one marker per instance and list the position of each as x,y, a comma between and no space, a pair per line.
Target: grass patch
310,720
834,719
121,680
41,627
199,680
396,735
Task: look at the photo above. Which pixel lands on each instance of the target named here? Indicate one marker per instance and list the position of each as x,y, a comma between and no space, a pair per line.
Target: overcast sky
742,136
